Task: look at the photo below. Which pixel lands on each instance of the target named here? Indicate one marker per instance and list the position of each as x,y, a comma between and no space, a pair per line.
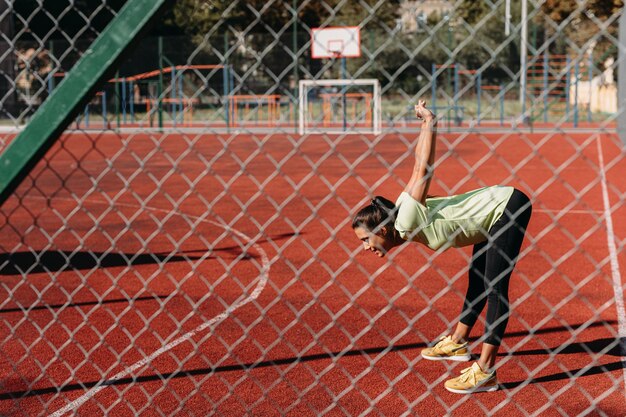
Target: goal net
339,106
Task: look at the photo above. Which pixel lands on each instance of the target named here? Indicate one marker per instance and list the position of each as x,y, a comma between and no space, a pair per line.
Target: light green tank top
455,221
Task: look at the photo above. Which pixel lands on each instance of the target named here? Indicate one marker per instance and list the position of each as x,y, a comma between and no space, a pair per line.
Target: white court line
263,277
615,272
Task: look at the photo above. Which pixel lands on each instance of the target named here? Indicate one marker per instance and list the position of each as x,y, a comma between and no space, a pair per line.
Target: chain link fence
183,249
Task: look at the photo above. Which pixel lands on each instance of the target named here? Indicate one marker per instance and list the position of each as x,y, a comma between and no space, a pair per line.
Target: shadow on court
82,304
57,261
606,346
571,374
599,345
32,262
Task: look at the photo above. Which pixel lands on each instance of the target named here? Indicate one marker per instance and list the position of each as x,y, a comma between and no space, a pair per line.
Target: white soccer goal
339,106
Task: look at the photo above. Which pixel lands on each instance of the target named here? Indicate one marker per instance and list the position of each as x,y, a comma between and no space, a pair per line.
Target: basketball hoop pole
342,75
337,42
343,92
345,104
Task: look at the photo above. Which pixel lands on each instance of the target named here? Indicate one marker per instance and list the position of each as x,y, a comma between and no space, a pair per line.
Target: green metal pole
455,96
160,85
546,63
343,93
449,78
117,98
502,105
76,89
567,87
433,87
590,64
227,88
478,93
295,62
173,106
54,66
577,81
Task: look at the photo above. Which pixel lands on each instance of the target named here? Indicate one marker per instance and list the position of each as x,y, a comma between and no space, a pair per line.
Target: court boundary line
263,278
615,270
614,262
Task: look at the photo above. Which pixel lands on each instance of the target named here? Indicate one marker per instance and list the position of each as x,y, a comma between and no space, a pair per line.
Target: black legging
491,267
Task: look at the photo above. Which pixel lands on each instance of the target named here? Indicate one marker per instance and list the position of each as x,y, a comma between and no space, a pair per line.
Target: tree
579,24
8,102
44,20
260,32
199,17
480,40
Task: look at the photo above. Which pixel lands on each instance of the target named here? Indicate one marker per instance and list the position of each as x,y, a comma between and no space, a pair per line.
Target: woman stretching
493,219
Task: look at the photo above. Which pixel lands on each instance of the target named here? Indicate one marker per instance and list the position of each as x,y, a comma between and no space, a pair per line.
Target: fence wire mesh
183,250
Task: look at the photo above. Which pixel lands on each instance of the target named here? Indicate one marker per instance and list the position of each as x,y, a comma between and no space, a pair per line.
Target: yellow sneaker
472,380
446,349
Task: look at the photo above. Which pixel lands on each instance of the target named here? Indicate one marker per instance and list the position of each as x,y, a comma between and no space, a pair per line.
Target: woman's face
373,242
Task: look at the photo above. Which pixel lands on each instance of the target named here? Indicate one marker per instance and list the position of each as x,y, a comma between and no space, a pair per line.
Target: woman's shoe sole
491,388
448,358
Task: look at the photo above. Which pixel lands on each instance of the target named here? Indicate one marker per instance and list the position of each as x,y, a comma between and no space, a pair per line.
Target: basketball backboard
336,42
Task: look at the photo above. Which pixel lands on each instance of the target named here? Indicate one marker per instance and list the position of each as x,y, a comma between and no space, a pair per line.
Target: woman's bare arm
423,169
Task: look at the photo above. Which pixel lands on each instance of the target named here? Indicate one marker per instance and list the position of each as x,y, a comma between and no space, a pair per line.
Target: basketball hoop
336,54
335,47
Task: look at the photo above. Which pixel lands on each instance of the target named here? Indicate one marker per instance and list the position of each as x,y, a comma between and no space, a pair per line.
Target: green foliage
560,10
55,19
262,16
256,36
579,25
474,38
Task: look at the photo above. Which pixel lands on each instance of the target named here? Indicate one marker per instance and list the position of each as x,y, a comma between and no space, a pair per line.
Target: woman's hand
422,113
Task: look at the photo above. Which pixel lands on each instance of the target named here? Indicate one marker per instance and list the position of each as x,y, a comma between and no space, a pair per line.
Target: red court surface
228,261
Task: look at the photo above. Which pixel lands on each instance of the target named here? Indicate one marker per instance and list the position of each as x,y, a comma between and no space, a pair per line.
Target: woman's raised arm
423,169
